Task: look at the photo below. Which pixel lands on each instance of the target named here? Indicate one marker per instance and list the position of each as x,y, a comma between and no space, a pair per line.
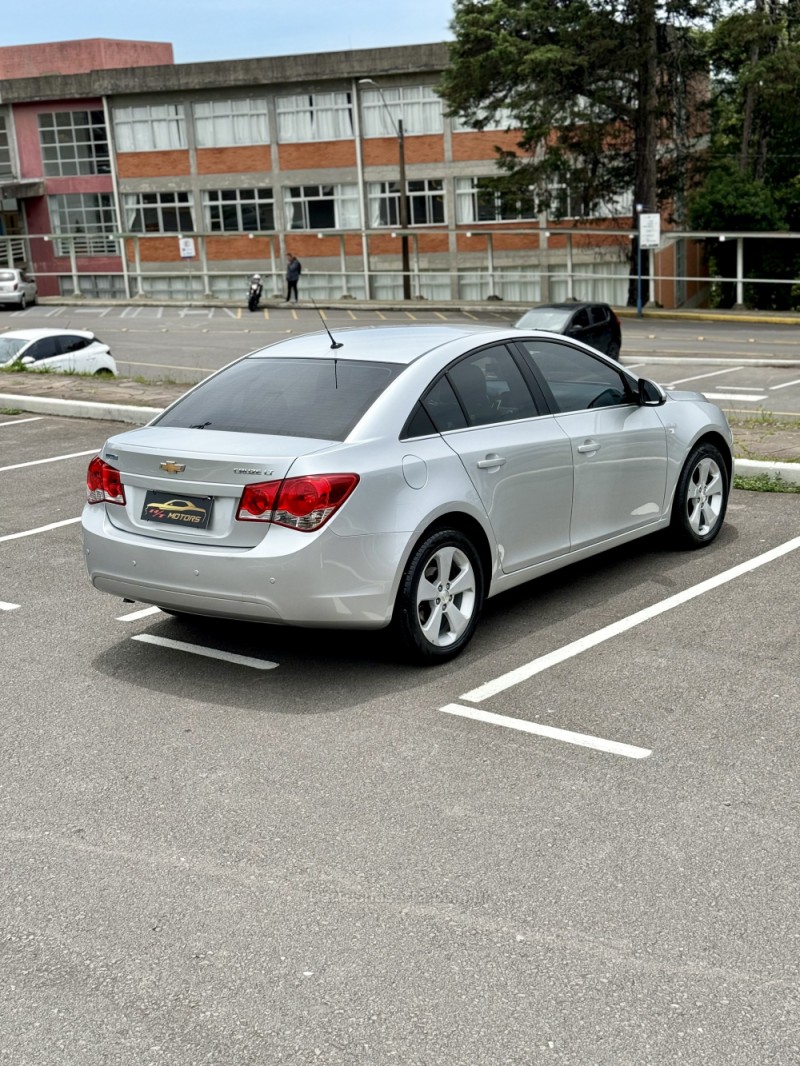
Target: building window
501,119
425,202
89,218
417,105
322,207
227,123
239,210
315,117
149,129
477,201
74,142
5,149
159,212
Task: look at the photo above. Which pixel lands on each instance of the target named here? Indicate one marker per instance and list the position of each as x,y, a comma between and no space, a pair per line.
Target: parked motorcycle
254,292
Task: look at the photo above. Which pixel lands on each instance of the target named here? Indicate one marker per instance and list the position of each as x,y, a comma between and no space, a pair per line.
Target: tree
602,91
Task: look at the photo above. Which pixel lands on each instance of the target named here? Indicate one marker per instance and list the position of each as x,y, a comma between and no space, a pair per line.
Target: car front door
518,457
619,447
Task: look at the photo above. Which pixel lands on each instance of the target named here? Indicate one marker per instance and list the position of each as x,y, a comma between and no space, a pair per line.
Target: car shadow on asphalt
325,671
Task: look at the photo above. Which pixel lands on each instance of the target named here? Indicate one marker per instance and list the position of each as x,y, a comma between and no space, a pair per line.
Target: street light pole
403,213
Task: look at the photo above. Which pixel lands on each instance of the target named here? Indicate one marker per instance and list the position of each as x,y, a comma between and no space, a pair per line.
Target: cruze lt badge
172,467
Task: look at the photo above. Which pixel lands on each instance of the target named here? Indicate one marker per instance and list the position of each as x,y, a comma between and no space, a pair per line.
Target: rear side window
318,398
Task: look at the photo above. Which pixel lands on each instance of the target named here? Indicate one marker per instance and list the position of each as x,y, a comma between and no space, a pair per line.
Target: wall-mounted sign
187,247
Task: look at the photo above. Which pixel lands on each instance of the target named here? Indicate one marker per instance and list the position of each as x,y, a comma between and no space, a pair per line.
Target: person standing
293,271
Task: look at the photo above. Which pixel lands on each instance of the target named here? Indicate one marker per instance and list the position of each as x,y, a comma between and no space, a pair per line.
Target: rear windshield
7,275
318,398
552,318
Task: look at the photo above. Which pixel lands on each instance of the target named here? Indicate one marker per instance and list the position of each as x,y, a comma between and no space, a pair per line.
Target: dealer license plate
184,512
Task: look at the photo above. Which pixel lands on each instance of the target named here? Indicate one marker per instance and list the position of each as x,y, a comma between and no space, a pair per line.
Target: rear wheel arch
472,529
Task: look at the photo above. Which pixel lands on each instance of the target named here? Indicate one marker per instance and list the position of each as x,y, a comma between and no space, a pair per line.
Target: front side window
159,212
314,117
149,128
491,387
89,218
417,105
478,201
316,207
575,380
74,142
318,398
425,202
239,210
227,123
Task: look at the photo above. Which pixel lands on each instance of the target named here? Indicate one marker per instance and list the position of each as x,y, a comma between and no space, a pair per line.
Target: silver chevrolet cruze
397,476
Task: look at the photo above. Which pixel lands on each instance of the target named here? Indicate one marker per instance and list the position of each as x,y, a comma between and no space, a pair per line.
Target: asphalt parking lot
578,843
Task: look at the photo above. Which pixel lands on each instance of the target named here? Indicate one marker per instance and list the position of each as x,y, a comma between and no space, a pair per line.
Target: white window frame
468,192
229,123
383,199
89,224
6,152
314,117
76,142
417,105
138,202
297,201
501,119
149,128
217,203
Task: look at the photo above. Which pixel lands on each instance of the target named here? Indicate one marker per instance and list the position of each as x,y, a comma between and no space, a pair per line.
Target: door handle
588,447
490,461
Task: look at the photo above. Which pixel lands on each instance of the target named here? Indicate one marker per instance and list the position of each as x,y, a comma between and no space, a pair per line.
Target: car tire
23,302
613,350
427,633
701,498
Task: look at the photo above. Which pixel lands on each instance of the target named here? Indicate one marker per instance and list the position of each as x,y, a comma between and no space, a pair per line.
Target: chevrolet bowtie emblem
172,467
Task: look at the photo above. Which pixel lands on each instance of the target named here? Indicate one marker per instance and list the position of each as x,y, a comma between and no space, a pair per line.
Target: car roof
37,334
381,344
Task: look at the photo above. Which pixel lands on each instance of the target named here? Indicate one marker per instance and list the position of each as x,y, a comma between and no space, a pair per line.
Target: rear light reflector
103,483
302,503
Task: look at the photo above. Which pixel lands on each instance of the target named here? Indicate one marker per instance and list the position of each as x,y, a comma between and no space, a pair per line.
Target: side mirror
650,394
27,360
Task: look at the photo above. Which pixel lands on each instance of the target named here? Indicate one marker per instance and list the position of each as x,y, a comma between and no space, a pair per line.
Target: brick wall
245,160
317,155
170,164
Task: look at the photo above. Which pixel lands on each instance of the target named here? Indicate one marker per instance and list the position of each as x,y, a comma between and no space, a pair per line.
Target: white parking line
40,529
52,459
699,377
136,615
745,398
560,655
583,740
785,385
19,421
210,653
8,606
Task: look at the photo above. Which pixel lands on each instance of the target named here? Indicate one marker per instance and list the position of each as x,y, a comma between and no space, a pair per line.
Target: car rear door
619,448
518,458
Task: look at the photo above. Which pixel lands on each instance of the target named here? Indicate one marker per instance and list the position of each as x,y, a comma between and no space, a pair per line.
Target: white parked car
17,287
67,351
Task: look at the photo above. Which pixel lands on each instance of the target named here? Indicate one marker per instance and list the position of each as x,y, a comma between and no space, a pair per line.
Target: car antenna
334,344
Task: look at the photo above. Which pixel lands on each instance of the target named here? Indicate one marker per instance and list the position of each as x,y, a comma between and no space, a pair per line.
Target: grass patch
11,411
764,483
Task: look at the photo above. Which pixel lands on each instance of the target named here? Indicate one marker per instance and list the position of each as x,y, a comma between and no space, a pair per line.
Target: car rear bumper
290,578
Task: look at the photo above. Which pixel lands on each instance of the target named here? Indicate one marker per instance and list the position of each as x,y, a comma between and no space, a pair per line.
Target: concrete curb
110,412
140,416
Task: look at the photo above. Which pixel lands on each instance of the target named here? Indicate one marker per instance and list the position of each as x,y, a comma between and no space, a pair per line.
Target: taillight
302,503
103,483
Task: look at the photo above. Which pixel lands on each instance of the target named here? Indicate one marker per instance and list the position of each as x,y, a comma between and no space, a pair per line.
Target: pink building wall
79,57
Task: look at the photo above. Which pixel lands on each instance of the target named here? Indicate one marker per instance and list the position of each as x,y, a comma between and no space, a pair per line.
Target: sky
202,30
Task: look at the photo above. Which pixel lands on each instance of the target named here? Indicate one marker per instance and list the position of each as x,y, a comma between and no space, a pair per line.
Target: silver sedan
397,477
